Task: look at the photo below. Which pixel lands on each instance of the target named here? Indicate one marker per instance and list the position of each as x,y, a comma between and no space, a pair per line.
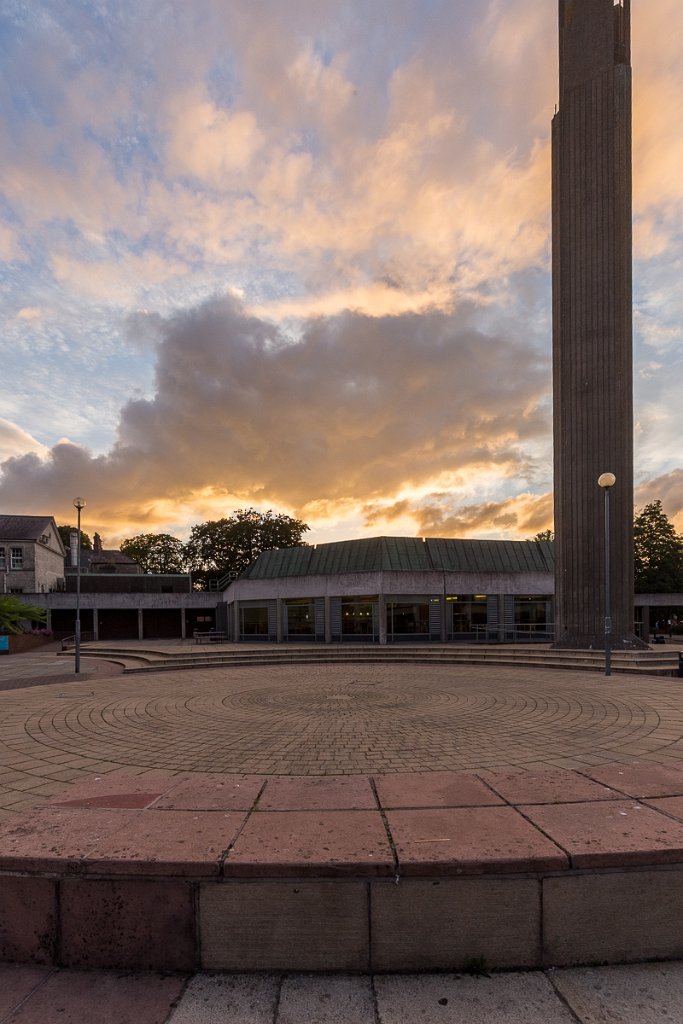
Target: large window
468,615
532,616
17,558
254,621
3,559
408,618
358,617
299,618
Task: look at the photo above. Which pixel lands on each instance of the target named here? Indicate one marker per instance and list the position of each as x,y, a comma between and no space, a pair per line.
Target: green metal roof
404,554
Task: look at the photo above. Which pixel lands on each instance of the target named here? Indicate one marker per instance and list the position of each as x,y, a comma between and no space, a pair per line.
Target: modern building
592,321
395,589
31,555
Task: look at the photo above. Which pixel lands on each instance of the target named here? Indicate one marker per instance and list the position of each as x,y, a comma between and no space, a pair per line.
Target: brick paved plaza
324,720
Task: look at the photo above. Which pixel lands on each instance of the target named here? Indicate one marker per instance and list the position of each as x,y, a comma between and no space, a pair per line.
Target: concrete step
382,873
137,659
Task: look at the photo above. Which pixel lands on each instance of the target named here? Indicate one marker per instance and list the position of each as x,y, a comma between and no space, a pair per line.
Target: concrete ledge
413,872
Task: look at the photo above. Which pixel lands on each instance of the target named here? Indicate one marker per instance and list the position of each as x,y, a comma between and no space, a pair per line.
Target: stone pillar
592,322
95,624
183,624
382,616
141,624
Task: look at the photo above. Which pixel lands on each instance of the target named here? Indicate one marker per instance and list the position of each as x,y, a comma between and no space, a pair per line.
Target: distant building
31,555
103,560
395,589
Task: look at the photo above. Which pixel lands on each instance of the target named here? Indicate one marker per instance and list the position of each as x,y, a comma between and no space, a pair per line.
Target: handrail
70,641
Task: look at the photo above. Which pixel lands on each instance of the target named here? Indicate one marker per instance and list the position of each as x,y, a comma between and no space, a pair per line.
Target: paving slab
640,780
331,792
455,999
114,790
229,999
17,982
326,999
472,840
211,792
320,843
640,994
553,786
166,843
94,997
57,838
610,833
434,789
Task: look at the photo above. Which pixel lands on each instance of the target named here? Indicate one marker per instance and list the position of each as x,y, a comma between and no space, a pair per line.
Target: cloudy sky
295,254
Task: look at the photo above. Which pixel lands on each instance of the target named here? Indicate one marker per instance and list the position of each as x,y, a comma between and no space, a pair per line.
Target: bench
213,636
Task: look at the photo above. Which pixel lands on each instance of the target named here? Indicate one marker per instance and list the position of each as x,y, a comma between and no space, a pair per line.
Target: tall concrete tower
592,321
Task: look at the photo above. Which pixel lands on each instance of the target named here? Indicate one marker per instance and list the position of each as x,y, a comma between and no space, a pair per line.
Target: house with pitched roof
31,555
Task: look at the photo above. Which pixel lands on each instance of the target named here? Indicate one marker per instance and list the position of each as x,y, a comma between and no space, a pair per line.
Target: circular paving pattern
339,719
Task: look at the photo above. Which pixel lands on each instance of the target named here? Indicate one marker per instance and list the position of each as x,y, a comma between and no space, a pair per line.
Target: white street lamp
79,503
607,481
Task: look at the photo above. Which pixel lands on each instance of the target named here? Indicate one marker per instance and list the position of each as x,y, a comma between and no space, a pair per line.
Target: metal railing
70,641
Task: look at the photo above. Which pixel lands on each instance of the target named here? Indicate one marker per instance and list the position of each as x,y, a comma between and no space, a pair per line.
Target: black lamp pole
606,481
79,503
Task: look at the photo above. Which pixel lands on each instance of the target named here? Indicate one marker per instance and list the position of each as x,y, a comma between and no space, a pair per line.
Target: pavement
333,719
57,730
643,994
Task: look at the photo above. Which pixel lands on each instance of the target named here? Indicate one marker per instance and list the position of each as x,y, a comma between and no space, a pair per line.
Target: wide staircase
171,655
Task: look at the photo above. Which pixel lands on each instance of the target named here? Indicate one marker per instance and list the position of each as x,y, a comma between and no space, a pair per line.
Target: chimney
97,544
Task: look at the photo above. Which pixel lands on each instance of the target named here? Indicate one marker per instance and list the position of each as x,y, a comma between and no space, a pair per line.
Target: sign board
4,645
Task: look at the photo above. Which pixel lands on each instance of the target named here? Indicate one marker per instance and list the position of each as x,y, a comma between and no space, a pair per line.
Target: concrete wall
361,584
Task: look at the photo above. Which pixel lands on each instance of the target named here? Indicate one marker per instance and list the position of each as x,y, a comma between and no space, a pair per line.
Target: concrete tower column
592,321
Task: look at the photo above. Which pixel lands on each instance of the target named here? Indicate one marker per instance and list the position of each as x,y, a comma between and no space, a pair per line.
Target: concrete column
141,625
382,615
48,619
183,624
443,609
96,623
278,619
645,633
328,622
236,619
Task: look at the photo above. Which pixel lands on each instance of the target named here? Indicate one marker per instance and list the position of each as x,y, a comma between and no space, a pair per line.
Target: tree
156,552
658,552
545,535
230,545
65,533
13,612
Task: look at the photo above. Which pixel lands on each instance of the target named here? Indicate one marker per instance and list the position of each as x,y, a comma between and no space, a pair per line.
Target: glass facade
254,621
467,616
408,618
533,617
358,618
299,618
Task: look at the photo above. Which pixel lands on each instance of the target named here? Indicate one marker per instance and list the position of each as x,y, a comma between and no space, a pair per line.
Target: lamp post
79,503
606,481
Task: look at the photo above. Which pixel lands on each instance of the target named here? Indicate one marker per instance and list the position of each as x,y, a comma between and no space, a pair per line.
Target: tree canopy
156,552
230,545
14,611
65,532
658,552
